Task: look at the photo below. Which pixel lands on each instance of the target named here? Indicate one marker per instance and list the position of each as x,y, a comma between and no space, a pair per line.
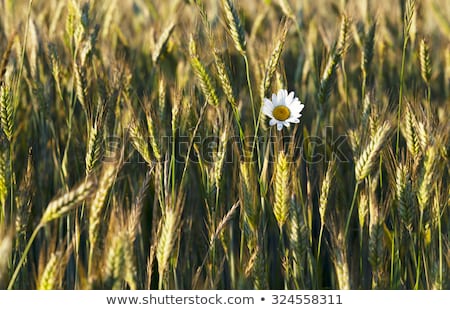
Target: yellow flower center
281,113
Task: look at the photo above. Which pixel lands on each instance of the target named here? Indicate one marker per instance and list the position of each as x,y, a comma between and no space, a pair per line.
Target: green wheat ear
282,190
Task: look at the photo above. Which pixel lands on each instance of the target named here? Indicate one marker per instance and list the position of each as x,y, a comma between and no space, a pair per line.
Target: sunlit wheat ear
6,111
282,190
405,196
363,209
202,75
354,139
6,243
235,26
425,62
427,177
167,238
49,277
423,134
58,207
274,59
409,19
325,190
81,85
162,42
138,140
368,158
94,147
410,132
224,78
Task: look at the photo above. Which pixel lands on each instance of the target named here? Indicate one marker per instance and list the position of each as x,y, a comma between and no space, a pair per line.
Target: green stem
319,244
419,260
24,256
347,225
247,71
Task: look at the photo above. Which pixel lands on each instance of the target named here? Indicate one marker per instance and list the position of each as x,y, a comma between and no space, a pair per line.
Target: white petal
279,126
272,122
293,120
267,108
267,102
274,100
290,98
296,108
282,94
286,123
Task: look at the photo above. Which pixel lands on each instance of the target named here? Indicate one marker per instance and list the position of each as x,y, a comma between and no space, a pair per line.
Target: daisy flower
283,109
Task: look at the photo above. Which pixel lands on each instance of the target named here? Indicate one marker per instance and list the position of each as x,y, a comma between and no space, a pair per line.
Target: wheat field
135,154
